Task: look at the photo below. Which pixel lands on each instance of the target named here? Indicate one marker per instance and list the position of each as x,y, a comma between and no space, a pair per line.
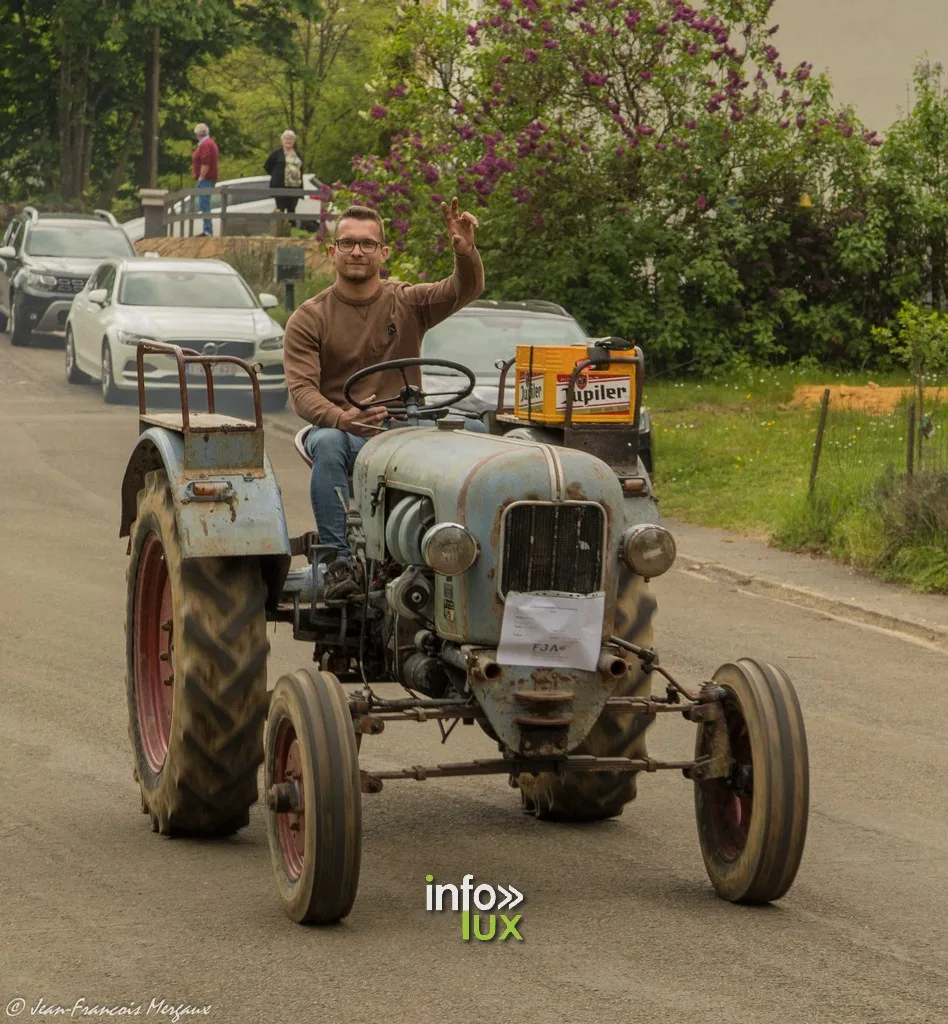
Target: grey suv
45,260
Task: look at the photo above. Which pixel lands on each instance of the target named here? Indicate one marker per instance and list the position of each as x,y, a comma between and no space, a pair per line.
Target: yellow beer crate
600,396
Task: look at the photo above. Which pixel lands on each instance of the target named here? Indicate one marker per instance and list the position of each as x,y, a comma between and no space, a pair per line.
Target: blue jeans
333,453
204,202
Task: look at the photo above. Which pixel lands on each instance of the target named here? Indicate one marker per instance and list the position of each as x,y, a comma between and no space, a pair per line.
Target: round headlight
449,549
648,549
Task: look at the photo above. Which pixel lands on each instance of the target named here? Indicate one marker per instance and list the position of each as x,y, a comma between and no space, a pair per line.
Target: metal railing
183,208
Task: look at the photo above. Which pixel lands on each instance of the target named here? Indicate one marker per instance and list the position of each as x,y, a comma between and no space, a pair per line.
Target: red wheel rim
291,825
729,802
154,652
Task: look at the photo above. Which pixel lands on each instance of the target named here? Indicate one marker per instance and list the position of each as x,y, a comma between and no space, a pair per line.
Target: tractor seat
300,442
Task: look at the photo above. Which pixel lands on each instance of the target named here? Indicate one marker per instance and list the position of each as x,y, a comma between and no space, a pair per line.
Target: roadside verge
810,581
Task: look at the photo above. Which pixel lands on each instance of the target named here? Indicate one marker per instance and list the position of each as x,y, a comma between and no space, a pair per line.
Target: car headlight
38,280
270,343
449,549
130,338
648,549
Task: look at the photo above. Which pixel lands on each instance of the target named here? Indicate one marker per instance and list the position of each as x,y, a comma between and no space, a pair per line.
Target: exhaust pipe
611,666
482,668
486,669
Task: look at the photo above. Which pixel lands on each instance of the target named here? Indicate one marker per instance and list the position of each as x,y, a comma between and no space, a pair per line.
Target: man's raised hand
460,227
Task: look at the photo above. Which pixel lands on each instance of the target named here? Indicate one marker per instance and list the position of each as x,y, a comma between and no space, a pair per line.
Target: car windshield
92,242
477,339
185,288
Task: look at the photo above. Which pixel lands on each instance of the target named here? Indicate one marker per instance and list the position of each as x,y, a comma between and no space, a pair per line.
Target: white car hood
166,324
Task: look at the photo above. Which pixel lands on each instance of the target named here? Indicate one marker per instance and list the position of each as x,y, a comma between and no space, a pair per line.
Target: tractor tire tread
209,779
596,796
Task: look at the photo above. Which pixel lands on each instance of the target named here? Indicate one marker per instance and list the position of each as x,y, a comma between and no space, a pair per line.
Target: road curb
928,631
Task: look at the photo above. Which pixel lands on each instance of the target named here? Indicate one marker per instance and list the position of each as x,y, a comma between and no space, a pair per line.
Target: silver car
203,305
487,332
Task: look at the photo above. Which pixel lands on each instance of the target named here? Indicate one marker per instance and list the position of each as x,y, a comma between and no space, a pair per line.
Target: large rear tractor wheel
593,796
314,797
196,681
752,824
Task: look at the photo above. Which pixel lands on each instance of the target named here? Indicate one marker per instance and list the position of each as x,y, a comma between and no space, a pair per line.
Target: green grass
734,453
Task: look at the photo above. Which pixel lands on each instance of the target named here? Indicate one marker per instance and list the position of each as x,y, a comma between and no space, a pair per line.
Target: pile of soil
868,398
317,262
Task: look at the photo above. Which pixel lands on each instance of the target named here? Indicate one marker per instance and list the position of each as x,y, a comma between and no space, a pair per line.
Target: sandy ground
619,921
868,398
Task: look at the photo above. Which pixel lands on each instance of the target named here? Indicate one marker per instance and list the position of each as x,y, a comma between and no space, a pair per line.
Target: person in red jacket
204,168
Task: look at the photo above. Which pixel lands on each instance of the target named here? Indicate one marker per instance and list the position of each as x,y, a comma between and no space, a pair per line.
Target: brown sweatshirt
329,338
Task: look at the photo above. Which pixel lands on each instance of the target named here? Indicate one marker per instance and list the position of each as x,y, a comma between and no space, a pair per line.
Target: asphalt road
619,922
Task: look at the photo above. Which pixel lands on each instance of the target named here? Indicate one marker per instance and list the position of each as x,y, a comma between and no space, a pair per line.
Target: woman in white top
285,167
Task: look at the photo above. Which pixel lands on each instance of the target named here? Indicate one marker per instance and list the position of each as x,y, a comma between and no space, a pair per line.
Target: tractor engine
451,521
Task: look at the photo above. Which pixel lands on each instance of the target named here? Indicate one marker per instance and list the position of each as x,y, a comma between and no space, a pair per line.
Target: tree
915,181
76,138
304,67
613,171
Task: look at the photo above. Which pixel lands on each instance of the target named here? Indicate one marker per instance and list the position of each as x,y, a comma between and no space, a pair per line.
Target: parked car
260,202
487,332
45,259
198,304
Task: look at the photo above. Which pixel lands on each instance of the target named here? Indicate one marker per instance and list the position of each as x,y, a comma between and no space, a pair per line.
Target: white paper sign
552,630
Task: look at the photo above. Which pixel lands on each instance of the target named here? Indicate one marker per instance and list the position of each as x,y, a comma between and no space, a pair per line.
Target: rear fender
248,521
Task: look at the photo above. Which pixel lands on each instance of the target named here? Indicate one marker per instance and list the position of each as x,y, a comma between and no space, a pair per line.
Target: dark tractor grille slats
553,547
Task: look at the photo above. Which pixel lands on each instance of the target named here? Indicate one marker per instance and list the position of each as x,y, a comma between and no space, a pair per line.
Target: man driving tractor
361,320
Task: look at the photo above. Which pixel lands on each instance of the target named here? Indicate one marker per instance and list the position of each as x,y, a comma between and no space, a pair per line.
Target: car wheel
73,374
645,453
110,393
20,332
3,322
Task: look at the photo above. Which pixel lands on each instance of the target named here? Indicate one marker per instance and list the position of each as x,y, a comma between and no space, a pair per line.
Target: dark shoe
341,580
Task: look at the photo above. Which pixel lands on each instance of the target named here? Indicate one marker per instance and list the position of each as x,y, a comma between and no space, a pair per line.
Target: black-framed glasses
367,245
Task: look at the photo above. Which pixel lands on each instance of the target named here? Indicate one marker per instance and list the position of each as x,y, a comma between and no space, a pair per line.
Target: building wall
869,47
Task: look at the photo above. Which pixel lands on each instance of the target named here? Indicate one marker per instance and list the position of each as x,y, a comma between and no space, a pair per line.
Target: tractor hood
474,480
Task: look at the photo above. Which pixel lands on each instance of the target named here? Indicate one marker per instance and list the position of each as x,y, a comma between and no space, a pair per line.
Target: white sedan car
203,305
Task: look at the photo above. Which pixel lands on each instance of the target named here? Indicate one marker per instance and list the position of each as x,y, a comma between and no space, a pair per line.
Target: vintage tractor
505,583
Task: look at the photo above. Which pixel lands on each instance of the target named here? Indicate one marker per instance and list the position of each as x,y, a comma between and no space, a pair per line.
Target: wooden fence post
910,462
153,209
818,445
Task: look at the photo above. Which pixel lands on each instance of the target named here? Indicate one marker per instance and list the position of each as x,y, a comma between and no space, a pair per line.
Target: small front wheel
752,824
314,796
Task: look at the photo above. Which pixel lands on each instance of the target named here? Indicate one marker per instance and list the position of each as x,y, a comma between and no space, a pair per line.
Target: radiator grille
553,547
70,285
241,349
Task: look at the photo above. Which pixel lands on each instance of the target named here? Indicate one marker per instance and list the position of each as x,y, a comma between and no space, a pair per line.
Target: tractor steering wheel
410,395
